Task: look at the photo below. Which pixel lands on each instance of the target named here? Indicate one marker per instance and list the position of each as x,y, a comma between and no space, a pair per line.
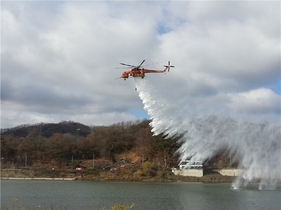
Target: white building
187,164
188,168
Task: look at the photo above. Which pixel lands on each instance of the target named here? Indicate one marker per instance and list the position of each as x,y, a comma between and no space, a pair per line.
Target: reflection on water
95,195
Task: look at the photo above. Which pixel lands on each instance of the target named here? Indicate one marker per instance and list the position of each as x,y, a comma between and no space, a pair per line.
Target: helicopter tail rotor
169,66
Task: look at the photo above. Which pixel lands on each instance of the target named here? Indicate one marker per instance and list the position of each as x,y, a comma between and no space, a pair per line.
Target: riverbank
41,178
164,176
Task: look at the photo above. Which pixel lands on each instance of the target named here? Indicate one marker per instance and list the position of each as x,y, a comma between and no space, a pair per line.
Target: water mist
208,127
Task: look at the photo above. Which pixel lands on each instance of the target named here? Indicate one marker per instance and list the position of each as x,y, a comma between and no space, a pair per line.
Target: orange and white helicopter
137,71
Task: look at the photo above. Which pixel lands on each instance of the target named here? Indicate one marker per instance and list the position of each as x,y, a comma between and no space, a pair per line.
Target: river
68,195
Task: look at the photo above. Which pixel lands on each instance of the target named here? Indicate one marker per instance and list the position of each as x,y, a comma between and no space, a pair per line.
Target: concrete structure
229,172
199,172
188,172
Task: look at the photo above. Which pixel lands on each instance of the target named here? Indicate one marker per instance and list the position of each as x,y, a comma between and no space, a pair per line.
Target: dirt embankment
115,175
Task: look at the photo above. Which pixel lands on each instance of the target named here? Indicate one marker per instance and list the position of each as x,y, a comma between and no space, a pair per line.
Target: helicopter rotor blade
124,64
121,67
140,64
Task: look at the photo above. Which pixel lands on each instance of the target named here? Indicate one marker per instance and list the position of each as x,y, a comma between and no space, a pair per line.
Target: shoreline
125,176
204,179
38,178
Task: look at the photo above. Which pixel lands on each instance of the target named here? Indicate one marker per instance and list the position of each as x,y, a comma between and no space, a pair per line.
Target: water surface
70,195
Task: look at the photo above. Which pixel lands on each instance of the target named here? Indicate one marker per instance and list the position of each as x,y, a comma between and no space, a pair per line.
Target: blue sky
58,60
276,86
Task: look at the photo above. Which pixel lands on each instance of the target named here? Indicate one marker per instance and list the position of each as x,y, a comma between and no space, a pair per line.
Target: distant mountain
48,129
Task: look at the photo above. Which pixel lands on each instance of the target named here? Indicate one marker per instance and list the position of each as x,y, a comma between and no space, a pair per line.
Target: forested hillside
123,151
63,144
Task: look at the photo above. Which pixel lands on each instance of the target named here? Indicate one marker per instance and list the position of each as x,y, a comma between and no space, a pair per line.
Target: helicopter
137,71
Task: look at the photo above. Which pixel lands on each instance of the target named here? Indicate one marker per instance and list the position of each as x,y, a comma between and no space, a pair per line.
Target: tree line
48,144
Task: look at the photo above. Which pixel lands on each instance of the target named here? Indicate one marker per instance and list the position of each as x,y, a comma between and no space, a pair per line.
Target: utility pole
25,164
78,129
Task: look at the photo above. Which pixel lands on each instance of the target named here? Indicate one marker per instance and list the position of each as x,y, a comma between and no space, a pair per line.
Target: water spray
207,128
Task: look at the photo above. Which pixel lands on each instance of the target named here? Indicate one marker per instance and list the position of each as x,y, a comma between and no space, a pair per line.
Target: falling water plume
207,127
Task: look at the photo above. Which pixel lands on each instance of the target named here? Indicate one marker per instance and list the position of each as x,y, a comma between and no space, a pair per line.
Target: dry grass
114,207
